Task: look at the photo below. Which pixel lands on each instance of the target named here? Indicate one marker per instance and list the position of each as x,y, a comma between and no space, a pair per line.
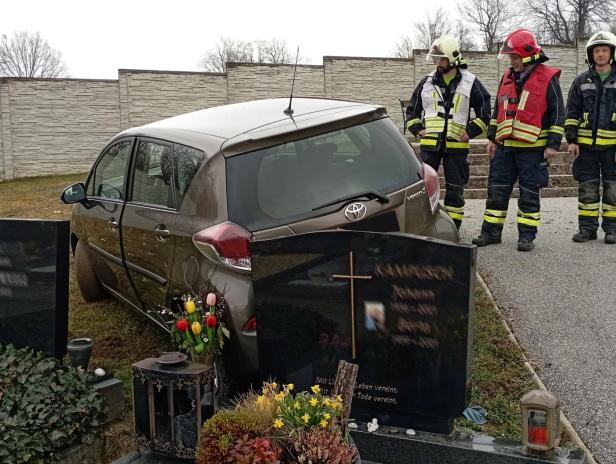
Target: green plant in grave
44,407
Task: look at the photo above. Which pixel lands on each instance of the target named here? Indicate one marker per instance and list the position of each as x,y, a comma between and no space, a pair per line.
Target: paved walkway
561,300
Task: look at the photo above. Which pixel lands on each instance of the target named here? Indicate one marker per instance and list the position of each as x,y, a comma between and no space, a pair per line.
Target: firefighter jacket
444,111
529,113
591,111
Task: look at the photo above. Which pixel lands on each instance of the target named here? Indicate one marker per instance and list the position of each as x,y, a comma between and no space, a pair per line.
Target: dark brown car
175,203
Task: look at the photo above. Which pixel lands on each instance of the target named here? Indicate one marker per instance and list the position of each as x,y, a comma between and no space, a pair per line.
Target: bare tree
561,21
29,55
274,51
227,51
493,18
237,51
403,48
434,25
464,34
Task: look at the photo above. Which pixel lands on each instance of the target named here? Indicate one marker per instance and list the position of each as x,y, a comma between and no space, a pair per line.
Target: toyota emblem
355,211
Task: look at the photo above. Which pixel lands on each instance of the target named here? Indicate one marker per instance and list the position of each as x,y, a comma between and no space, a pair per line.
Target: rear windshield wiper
370,194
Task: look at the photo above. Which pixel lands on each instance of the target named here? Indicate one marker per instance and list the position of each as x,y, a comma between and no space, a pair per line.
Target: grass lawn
122,337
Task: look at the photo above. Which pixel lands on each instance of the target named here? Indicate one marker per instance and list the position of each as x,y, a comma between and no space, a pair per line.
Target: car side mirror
76,193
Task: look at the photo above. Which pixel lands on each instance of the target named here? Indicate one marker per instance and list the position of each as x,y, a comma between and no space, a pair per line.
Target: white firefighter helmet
445,46
600,38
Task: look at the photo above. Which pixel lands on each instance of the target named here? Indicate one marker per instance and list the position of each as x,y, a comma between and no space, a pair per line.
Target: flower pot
207,359
79,351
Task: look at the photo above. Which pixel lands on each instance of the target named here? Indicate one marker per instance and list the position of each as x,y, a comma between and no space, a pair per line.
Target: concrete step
562,157
479,146
484,169
547,192
560,180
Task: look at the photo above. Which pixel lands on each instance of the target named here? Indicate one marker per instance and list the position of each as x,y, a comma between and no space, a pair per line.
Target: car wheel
90,287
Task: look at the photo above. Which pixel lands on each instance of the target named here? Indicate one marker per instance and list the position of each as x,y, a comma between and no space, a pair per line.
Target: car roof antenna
289,110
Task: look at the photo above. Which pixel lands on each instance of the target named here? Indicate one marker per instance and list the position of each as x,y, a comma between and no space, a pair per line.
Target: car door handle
162,234
112,225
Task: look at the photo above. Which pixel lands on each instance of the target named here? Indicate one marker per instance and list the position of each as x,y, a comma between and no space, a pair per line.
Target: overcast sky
98,37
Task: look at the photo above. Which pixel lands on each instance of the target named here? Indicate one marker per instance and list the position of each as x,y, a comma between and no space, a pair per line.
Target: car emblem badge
355,211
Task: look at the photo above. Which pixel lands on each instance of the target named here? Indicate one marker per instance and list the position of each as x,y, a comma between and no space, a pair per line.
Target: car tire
90,287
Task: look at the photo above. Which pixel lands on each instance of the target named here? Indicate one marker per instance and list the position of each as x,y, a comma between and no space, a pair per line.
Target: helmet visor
435,54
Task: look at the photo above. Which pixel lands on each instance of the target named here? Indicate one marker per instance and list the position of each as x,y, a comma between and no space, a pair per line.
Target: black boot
585,235
482,241
525,245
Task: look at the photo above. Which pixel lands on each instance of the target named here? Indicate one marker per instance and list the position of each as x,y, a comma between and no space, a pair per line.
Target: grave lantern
540,421
171,400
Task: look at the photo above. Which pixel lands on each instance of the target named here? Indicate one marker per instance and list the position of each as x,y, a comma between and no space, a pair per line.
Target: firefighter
439,113
525,130
590,129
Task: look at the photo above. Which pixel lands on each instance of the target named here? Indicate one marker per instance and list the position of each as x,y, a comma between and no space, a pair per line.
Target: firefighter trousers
506,167
457,173
592,168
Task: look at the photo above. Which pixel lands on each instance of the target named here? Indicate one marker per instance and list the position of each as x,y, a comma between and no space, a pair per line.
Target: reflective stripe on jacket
591,111
519,117
439,115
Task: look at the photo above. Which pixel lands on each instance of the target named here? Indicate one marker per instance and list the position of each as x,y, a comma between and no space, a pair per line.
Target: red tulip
211,321
182,325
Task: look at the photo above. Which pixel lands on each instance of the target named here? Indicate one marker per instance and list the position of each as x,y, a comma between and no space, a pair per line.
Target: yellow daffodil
323,423
279,396
296,405
313,402
278,423
190,306
290,387
196,328
261,400
327,402
336,405
327,416
315,389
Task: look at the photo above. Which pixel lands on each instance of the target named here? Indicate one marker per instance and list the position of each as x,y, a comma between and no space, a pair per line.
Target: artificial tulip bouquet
199,327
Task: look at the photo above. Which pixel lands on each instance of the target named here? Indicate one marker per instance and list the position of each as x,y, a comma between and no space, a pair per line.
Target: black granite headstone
34,265
400,306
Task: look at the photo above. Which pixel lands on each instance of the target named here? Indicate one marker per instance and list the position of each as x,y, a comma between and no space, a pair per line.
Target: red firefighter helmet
521,42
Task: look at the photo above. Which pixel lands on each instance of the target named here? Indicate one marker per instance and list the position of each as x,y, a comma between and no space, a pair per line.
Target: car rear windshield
285,183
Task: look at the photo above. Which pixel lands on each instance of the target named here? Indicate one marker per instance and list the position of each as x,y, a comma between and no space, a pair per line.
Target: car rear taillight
225,243
430,177
250,328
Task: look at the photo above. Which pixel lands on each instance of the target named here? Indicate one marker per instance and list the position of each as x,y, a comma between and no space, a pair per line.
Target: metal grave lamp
540,422
172,398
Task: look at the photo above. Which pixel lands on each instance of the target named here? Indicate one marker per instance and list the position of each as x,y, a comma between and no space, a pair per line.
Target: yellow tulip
190,306
196,328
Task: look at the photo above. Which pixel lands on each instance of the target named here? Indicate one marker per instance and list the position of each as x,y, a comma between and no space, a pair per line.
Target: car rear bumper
444,228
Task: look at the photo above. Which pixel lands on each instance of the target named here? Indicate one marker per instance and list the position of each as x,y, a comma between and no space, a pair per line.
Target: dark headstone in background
410,329
34,267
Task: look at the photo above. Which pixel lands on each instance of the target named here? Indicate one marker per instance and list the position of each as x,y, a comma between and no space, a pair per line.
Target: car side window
152,175
186,162
107,180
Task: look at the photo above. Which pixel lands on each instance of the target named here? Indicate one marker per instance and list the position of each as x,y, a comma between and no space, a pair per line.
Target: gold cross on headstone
352,278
